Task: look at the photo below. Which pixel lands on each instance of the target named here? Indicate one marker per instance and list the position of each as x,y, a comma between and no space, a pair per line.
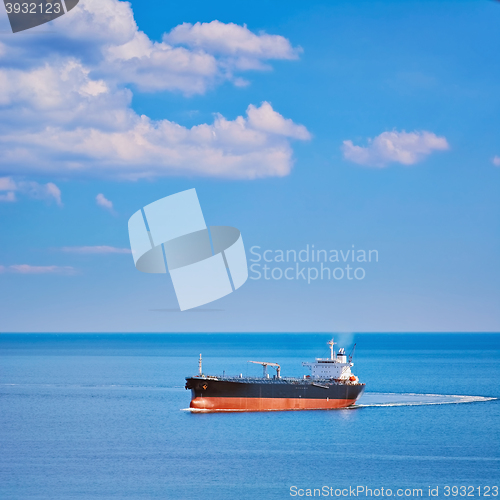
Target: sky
343,126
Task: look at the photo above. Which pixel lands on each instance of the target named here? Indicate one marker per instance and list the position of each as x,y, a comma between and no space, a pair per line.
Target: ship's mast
331,343
199,365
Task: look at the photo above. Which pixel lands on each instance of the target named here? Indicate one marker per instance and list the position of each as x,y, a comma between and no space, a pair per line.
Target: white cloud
189,59
102,249
267,120
246,148
154,66
496,161
28,269
102,201
403,147
61,93
241,48
94,131
48,192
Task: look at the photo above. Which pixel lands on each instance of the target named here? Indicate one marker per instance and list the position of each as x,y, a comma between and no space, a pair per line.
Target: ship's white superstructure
337,366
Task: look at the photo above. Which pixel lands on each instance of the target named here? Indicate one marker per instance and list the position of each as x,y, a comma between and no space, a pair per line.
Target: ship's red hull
267,404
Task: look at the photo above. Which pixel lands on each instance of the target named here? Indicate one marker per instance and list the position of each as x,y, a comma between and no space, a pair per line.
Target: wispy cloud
496,161
102,201
29,269
9,197
7,184
38,191
94,130
403,147
103,249
48,192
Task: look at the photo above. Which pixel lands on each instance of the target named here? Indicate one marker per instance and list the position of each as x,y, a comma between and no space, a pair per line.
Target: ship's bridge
336,367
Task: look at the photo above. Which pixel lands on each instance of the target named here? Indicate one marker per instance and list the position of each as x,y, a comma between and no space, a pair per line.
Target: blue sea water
104,417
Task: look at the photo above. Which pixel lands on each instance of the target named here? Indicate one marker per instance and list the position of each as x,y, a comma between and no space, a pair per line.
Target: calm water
102,416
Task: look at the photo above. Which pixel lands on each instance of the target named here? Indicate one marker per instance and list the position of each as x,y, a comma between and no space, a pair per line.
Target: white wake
411,399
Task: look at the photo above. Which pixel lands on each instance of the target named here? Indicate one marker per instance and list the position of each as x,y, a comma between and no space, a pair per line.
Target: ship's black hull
211,394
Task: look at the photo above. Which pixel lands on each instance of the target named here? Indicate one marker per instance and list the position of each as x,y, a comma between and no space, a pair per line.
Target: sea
106,416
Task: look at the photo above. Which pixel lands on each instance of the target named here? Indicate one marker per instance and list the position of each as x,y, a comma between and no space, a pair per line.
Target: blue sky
93,104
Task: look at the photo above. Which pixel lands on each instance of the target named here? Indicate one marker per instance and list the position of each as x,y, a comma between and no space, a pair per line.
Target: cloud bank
65,101
406,148
496,161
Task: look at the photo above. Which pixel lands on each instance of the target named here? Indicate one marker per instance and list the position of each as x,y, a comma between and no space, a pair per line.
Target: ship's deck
281,380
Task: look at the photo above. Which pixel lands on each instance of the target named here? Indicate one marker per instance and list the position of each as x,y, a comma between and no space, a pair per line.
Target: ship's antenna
199,365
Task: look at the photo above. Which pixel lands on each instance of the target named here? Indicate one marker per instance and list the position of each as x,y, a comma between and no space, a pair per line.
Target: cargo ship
330,385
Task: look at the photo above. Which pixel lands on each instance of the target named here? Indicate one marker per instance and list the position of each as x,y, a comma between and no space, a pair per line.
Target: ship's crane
265,364
352,353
